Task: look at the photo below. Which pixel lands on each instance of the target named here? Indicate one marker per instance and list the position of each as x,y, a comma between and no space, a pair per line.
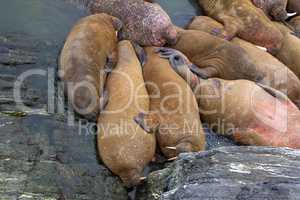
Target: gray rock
29,96
237,173
83,4
14,56
43,158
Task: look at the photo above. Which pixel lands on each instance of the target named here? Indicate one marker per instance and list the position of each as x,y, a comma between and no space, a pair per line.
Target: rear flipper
140,52
111,62
249,136
297,34
148,122
103,100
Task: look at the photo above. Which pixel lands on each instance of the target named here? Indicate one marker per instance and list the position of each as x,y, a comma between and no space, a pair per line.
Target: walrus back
176,107
124,146
83,59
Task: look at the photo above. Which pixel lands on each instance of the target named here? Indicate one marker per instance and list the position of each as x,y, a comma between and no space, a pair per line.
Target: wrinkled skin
89,50
289,53
174,116
275,74
248,113
295,24
215,57
124,147
275,9
145,23
242,18
294,6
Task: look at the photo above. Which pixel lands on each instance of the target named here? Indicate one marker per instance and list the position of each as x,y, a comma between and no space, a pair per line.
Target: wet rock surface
43,158
237,173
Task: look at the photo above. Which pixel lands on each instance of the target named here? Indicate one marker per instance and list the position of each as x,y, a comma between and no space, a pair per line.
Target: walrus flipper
103,100
179,64
111,61
248,136
297,34
204,73
140,52
148,122
277,94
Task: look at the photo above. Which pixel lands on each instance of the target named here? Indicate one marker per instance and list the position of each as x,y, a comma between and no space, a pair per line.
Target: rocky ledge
43,158
237,173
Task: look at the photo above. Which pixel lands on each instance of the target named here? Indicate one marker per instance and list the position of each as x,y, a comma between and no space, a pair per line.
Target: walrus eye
177,60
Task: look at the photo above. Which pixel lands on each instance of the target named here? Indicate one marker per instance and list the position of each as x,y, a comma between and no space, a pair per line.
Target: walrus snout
184,148
130,177
273,51
85,103
279,13
274,43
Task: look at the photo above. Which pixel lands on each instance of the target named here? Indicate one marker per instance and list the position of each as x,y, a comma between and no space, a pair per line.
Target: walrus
174,115
293,6
218,58
275,9
249,113
289,54
124,147
89,50
273,72
295,24
145,23
242,18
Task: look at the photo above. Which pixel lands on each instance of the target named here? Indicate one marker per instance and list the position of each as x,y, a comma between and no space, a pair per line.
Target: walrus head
182,65
279,13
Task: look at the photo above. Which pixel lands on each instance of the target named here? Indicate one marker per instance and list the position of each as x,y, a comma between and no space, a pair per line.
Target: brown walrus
295,24
275,9
215,57
242,18
145,23
124,147
90,48
174,115
274,73
293,6
249,113
289,53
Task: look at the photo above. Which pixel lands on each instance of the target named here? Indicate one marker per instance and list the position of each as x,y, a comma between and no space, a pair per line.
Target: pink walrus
145,23
249,113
